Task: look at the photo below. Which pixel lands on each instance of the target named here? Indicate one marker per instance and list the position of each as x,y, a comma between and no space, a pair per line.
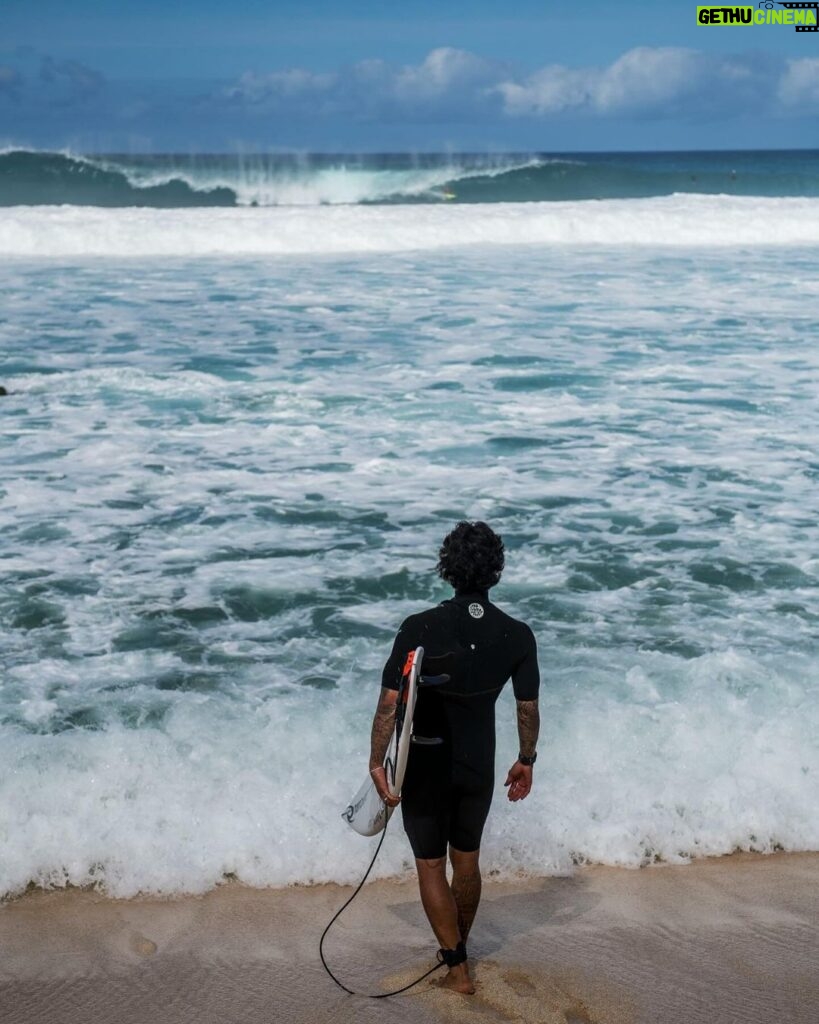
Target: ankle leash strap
452,957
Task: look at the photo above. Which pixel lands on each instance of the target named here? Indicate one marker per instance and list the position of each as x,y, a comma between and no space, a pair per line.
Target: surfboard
367,813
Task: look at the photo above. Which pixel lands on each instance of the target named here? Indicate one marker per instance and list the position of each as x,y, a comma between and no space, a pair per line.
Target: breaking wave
30,178
34,178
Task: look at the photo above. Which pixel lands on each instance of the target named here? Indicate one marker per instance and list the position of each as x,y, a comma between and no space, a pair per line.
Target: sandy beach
731,939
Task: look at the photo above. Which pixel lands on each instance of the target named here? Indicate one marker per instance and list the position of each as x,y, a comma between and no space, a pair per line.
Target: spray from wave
31,178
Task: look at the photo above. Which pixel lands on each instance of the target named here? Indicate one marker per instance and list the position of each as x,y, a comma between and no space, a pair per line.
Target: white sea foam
679,220
227,483
643,758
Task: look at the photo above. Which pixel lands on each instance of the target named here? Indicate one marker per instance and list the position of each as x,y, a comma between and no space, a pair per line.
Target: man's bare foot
458,980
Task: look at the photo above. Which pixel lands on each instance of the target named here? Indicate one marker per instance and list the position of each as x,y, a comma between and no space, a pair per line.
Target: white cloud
648,77
551,90
645,80
446,77
255,88
800,83
443,70
655,82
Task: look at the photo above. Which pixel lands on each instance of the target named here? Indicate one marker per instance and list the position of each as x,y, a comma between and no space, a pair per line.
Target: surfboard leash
445,957
337,915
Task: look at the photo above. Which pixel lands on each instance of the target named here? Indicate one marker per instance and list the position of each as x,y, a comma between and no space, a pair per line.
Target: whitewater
672,221
234,438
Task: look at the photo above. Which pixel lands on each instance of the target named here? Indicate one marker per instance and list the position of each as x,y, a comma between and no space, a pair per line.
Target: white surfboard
367,813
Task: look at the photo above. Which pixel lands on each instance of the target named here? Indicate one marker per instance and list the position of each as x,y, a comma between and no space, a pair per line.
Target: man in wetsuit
451,770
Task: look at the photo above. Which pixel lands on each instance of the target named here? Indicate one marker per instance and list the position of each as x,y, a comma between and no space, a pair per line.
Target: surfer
448,786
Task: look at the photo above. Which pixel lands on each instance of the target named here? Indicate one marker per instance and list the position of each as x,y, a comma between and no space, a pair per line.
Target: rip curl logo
803,16
476,610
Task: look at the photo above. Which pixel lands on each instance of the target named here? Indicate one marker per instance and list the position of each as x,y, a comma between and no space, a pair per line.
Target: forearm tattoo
383,725
528,726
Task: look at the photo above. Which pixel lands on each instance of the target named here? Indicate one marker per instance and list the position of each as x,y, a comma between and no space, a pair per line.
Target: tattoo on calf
467,892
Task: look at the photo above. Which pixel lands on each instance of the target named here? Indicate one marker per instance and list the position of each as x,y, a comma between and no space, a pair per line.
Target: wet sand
732,939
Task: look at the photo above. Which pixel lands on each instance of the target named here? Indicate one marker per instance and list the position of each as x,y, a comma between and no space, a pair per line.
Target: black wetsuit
451,770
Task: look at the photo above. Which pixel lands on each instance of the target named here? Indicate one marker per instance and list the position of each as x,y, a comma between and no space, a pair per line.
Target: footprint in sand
518,982
144,947
578,1015
516,997
527,997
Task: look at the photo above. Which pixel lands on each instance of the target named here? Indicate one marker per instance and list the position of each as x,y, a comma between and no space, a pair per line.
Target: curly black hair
471,557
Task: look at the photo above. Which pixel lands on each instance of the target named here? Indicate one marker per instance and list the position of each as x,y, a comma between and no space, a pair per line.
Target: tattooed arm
406,639
383,726
526,682
528,726
519,779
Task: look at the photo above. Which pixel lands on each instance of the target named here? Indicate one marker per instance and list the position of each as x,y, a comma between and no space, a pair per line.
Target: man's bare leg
466,887
442,911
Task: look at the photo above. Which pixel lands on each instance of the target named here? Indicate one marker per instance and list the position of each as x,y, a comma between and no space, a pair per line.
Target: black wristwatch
527,761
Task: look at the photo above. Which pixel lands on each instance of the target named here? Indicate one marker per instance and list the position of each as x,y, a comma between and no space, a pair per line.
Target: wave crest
33,178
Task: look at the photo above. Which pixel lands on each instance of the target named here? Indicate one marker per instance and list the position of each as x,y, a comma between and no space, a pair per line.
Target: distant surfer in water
451,771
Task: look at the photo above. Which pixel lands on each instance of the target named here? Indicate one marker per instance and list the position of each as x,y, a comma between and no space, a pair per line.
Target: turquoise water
224,481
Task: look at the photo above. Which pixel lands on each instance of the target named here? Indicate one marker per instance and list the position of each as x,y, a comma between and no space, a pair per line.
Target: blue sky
359,75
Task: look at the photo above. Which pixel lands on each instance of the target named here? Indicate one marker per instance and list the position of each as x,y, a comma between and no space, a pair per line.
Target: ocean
248,396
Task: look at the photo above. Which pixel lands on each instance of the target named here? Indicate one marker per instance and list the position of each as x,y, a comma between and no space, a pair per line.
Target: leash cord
337,915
